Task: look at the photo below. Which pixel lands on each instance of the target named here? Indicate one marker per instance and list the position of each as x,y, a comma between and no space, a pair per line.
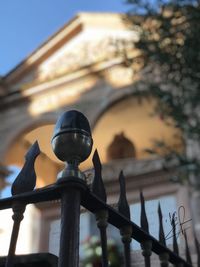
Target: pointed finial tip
122,180
95,155
36,145
33,151
96,160
121,174
141,196
159,211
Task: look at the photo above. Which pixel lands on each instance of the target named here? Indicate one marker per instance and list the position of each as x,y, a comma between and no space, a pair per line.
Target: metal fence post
70,219
71,143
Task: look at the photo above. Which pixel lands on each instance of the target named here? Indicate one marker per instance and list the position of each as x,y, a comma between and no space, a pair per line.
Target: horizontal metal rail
92,203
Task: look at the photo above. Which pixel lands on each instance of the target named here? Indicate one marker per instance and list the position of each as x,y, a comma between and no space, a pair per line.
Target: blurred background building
84,66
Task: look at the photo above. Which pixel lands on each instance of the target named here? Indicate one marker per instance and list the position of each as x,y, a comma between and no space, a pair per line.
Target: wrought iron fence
72,143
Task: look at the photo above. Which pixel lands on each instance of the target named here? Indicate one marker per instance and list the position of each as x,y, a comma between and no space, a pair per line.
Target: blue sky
25,24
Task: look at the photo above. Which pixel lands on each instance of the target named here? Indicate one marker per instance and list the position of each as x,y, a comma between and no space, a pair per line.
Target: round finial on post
72,142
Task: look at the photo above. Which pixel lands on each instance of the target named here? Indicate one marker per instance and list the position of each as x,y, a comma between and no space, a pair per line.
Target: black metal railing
72,190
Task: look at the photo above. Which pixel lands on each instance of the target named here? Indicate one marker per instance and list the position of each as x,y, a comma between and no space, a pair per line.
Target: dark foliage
170,45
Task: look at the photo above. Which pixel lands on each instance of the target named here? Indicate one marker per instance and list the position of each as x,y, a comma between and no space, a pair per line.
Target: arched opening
7,180
47,165
120,147
140,125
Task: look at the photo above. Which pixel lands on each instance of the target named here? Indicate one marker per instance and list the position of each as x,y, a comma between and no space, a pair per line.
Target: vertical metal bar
24,182
126,233
146,252
164,257
187,251
198,251
69,236
146,245
18,211
126,230
72,143
102,218
147,260
175,244
102,215
97,186
127,253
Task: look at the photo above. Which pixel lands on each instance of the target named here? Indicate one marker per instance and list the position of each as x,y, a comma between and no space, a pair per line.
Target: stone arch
40,128
142,128
24,126
112,99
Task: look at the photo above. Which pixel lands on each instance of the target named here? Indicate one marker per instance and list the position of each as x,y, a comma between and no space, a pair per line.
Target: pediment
87,40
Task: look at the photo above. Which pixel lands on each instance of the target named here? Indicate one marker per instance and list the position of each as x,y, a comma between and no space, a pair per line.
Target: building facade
83,66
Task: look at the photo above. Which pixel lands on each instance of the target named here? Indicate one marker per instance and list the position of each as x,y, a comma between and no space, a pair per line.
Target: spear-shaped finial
164,257
123,206
126,230
97,185
143,217
101,215
26,179
161,229
175,244
25,182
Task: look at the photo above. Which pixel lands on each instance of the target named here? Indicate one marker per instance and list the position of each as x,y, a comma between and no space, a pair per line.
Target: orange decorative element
121,147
